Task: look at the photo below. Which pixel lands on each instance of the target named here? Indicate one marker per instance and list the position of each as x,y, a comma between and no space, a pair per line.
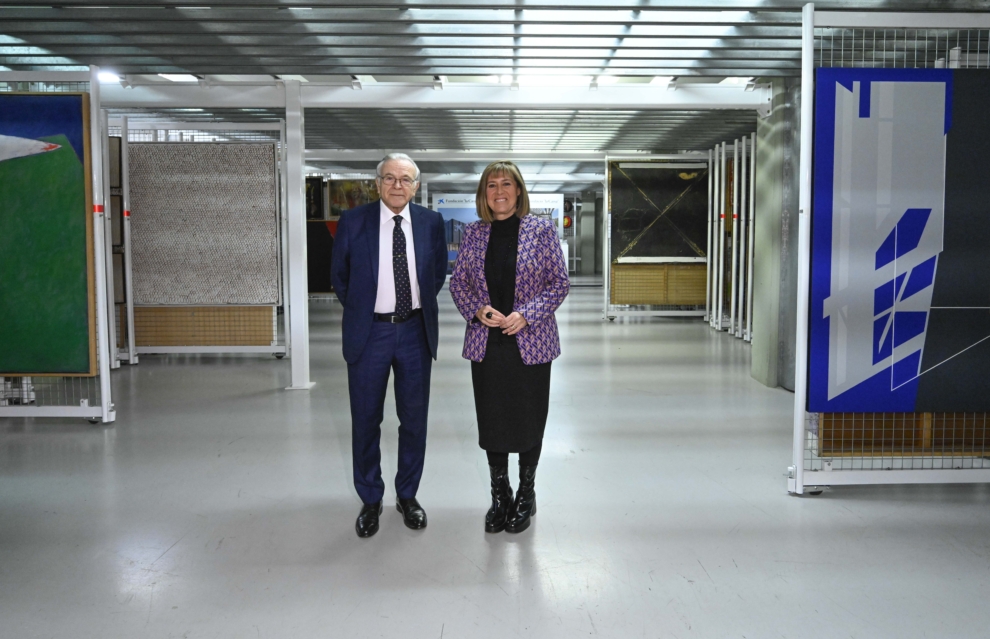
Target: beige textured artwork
204,222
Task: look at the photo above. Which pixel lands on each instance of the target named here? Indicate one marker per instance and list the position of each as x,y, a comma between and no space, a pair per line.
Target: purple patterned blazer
541,286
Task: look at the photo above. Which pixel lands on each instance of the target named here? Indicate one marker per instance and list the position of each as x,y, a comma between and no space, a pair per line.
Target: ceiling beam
194,49
899,20
692,97
456,155
347,16
529,177
178,41
539,97
588,5
246,67
391,29
466,178
419,65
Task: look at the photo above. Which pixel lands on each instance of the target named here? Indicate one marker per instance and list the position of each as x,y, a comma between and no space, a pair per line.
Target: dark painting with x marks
658,211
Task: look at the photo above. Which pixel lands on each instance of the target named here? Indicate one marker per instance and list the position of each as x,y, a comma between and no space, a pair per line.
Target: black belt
392,318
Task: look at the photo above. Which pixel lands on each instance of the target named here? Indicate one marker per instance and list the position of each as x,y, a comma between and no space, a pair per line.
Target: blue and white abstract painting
878,222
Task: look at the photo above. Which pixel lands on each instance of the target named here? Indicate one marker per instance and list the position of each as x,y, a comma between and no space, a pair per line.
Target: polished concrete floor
220,505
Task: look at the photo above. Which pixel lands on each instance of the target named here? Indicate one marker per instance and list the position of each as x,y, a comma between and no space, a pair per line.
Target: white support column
295,180
284,238
424,194
606,245
734,285
795,483
108,237
739,227
708,254
744,284
103,345
751,244
720,291
715,236
125,183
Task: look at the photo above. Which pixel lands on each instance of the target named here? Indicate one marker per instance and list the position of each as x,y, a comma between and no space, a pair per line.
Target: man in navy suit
389,264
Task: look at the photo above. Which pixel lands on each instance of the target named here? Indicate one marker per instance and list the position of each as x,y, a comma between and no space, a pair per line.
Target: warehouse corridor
220,505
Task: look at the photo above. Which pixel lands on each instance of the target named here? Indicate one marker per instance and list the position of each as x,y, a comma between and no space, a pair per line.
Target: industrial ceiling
517,43
710,38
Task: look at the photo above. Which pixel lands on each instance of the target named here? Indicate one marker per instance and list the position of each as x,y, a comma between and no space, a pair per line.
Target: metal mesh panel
679,285
207,326
903,48
49,391
898,441
44,87
136,134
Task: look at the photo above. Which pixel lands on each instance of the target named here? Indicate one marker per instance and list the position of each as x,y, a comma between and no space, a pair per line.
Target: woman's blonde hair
502,167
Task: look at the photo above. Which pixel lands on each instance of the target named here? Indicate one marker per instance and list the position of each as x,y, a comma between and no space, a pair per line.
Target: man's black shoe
367,521
413,515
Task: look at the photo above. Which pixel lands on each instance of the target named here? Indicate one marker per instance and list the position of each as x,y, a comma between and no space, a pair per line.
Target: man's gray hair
396,156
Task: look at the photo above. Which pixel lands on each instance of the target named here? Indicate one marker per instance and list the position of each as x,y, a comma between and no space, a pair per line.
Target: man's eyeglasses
389,180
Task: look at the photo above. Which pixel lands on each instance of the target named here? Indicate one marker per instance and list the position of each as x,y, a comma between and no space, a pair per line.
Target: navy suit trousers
391,347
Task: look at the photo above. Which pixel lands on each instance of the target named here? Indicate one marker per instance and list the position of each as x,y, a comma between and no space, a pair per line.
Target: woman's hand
514,323
490,317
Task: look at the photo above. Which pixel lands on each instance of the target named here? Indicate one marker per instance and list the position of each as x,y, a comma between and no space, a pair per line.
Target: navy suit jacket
354,271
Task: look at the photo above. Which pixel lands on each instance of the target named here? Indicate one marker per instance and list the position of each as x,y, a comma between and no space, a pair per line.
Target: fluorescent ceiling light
179,77
109,76
505,79
737,81
492,78
661,80
607,79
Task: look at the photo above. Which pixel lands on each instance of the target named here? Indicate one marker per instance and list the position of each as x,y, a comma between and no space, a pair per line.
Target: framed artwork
347,194
204,224
900,274
48,289
658,209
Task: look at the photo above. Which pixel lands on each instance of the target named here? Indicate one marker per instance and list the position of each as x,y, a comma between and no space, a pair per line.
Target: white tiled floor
220,505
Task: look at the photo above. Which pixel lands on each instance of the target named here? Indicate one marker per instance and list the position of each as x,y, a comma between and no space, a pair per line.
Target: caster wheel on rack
279,355
93,421
612,318
814,492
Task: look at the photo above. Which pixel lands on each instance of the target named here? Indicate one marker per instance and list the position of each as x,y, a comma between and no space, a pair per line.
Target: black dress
511,398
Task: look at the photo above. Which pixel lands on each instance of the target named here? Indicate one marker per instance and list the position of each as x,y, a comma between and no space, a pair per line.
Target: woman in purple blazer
508,280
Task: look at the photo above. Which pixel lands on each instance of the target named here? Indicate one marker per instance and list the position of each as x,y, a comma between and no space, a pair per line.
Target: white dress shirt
385,301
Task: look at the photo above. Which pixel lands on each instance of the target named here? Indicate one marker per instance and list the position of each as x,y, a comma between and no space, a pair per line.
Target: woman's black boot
498,514
525,505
